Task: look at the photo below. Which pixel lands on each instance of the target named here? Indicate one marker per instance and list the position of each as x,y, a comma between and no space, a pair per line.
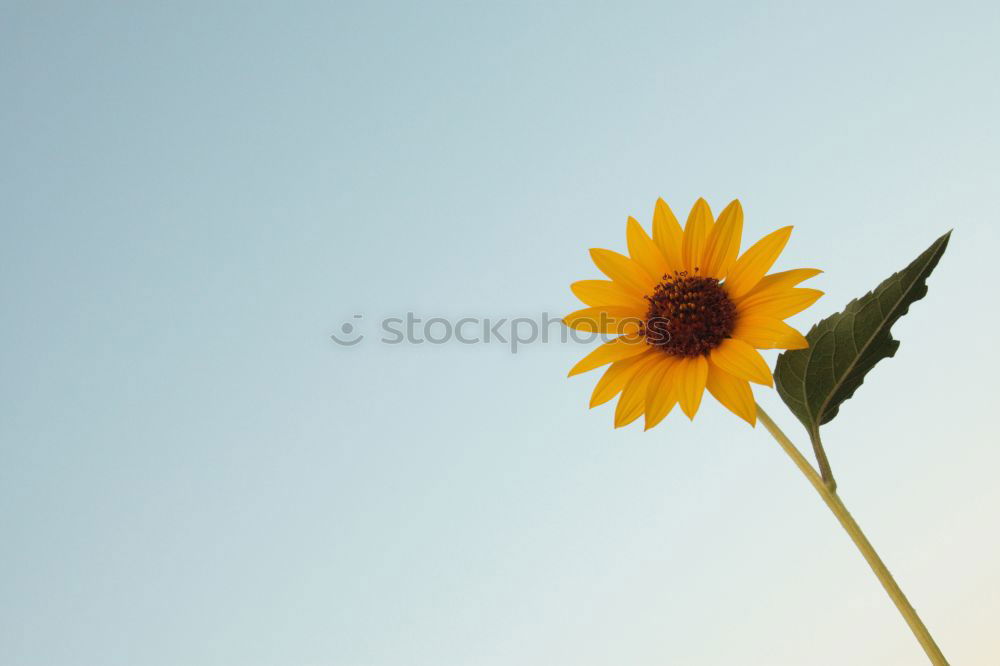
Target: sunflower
688,315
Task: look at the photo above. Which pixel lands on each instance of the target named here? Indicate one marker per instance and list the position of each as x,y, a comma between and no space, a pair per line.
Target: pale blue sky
193,197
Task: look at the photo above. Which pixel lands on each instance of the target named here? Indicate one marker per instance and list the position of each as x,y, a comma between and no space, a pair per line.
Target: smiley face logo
348,330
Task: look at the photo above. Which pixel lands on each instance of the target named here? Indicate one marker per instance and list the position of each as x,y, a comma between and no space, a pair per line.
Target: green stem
832,500
821,459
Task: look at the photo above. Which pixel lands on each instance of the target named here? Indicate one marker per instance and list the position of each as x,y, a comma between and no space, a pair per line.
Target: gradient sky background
194,196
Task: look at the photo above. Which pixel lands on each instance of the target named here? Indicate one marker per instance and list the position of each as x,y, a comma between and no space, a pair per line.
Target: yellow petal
784,279
768,333
734,394
615,377
780,302
643,250
741,360
633,400
668,236
699,225
724,241
607,292
609,352
755,262
623,270
609,320
661,396
689,375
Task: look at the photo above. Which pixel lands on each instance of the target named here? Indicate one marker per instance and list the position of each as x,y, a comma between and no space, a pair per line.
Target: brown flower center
689,315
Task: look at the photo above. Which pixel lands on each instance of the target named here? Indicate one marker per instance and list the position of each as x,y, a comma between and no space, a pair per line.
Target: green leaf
844,347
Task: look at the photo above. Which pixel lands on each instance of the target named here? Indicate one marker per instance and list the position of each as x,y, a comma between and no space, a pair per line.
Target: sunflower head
689,313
